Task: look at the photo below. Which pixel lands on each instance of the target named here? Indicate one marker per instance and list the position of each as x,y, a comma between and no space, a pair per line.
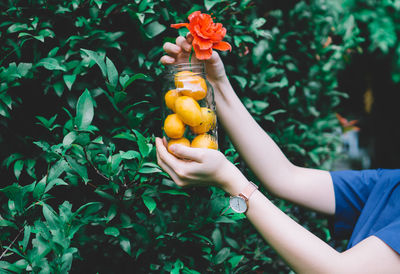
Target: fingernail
172,148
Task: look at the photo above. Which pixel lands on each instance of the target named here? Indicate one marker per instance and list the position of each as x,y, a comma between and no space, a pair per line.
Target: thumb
188,153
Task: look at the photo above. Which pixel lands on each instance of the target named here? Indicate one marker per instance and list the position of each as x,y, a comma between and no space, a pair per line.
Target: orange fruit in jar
188,110
179,76
190,84
208,121
170,98
204,141
174,127
181,141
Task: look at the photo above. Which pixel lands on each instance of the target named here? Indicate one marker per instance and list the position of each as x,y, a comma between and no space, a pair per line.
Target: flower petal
194,14
179,25
202,54
202,43
222,46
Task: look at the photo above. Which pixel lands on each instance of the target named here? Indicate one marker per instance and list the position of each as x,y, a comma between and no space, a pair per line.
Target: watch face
238,204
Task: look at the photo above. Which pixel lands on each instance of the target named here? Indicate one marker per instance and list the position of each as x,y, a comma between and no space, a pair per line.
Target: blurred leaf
112,73
153,29
69,80
111,231
149,203
84,110
222,255
98,59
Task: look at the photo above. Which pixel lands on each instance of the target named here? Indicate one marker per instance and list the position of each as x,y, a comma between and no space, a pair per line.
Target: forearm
301,249
259,151
311,188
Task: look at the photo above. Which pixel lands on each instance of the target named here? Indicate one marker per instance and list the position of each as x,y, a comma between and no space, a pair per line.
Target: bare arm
311,188
301,249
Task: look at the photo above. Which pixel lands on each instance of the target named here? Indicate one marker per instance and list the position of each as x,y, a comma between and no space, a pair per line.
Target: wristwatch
239,203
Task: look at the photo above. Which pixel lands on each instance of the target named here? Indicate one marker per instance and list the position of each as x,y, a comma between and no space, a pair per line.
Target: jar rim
194,67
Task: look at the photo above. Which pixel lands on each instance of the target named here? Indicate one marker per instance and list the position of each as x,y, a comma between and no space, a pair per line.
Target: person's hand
199,167
180,51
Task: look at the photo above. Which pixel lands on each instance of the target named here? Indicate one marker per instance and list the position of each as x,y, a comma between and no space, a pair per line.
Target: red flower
346,124
207,35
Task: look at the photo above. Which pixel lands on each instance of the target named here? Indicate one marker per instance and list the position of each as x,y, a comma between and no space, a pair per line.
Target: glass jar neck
197,68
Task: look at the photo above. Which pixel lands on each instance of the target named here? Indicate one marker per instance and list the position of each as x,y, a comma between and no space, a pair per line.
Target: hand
199,167
179,53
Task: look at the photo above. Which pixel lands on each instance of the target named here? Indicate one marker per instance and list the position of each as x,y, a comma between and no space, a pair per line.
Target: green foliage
80,87
379,22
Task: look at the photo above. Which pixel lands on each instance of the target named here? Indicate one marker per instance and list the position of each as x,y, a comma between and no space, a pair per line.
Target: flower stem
190,57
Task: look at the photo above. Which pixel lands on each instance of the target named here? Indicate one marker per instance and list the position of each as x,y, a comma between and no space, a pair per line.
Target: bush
80,106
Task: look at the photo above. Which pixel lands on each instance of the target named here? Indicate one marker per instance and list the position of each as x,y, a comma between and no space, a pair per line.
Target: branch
8,247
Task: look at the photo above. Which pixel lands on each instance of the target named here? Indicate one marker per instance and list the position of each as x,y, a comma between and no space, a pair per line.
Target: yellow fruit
170,98
173,126
188,110
208,120
195,87
181,141
190,84
204,141
182,75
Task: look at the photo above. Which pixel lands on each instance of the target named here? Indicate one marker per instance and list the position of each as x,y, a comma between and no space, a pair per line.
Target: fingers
170,160
165,165
167,60
183,43
189,38
172,49
184,152
182,47
165,141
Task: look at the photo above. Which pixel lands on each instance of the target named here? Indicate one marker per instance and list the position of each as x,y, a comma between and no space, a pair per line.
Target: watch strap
248,190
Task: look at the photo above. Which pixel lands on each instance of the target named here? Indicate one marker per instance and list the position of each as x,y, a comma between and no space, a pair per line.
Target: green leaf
51,218
57,169
18,168
178,265
25,240
142,143
127,82
112,212
149,170
69,80
153,29
235,260
84,110
51,64
112,231
125,245
130,154
217,238
98,59
175,192
89,208
241,80
149,203
69,138
11,191
39,189
66,262
112,73
211,3
55,182
78,168
222,255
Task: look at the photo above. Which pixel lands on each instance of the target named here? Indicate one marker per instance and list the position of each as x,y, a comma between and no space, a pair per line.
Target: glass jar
189,114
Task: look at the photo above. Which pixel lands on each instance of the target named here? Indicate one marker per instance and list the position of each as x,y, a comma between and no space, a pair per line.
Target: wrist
232,181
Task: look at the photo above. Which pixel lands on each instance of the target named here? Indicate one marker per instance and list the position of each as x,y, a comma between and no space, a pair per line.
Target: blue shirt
367,203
